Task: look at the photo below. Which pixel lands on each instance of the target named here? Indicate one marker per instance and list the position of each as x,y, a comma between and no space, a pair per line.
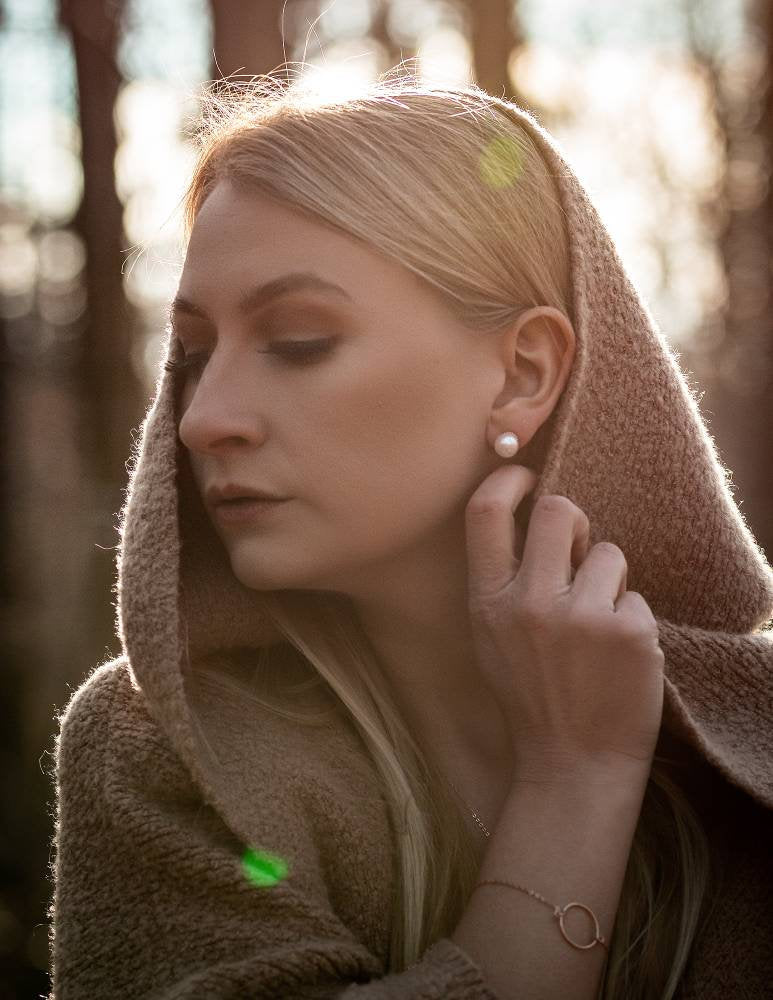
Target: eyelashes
293,352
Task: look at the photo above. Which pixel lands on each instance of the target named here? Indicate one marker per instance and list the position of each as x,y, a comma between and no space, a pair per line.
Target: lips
247,511
245,501
231,492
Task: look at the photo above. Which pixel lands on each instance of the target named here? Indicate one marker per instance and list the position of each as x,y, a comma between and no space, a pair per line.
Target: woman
377,730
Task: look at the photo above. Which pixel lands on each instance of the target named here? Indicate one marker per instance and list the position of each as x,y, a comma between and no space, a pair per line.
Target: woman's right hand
572,658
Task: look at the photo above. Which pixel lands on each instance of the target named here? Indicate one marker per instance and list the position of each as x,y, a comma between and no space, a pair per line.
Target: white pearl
506,444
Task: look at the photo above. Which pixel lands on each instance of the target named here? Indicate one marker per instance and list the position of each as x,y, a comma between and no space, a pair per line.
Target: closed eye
295,352
300,351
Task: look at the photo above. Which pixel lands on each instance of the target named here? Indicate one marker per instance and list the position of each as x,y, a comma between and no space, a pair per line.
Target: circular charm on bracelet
561,913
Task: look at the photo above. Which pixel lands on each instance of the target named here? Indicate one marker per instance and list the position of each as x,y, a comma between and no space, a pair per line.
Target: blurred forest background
664,108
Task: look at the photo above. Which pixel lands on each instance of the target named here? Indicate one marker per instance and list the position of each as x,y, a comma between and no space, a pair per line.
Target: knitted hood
628,446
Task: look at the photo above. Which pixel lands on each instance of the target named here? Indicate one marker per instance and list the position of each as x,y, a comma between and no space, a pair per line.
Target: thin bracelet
558,912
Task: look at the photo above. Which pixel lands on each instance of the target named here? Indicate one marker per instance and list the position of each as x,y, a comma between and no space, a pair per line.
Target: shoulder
131,813
106,685
109,742
86,717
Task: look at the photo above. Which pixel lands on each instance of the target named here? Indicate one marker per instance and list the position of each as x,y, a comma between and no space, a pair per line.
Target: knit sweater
266,867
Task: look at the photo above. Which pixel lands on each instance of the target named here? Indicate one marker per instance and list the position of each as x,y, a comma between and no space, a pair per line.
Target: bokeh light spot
500,163
263,869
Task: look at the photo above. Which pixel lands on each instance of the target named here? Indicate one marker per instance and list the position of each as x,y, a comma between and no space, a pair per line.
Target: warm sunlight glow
46,147
345,68
542,74
640,103
445,57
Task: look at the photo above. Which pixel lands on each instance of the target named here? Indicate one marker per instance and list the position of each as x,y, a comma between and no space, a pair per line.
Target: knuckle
629,629
530,614
611,548
554,504
585,622
484,507
641,610
634,630
482,608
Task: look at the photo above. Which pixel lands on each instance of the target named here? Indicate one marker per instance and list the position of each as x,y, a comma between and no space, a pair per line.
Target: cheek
381,424
401,440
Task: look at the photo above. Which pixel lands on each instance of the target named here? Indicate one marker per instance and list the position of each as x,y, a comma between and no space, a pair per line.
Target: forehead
240,238
231,214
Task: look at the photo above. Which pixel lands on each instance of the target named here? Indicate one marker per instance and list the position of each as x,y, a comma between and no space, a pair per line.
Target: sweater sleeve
150,896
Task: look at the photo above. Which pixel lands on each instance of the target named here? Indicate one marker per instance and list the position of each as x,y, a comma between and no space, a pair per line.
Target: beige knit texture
150,897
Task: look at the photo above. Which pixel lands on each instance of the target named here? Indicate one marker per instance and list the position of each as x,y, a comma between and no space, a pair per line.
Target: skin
380,443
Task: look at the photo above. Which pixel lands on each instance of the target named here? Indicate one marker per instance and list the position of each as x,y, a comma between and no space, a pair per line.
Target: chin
259,570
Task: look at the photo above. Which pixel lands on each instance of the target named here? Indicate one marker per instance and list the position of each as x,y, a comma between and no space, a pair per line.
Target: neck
416,619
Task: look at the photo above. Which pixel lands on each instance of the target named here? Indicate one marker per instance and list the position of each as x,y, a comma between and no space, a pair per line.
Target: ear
537,353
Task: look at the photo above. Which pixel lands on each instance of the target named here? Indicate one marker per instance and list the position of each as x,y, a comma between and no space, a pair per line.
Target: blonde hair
450,184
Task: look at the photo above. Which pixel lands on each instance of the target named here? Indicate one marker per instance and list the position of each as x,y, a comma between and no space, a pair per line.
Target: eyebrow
261,295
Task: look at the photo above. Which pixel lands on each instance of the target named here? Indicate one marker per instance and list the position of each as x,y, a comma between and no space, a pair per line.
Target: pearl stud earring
506,444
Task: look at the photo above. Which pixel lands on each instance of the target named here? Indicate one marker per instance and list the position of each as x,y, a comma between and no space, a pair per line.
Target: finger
557,539
490,528
633,603
602,577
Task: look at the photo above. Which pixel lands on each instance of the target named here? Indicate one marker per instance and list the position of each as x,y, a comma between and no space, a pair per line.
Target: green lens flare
500,164
262,868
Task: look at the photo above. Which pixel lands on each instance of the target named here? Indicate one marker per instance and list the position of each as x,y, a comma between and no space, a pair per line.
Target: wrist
579,808
560,771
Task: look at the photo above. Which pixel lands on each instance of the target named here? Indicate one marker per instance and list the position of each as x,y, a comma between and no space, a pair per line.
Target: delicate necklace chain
477,818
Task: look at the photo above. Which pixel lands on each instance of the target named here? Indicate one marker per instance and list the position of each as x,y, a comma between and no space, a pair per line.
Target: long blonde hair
444,181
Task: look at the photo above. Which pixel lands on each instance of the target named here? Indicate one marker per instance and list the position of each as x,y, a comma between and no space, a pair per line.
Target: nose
219,412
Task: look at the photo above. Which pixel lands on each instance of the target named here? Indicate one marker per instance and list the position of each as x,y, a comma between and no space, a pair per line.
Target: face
377,435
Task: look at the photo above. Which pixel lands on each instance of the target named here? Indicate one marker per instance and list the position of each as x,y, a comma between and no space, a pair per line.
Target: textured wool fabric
152,897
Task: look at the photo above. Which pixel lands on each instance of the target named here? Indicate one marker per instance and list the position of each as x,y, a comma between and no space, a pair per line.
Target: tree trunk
739,390
247,37
493,37
112,394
